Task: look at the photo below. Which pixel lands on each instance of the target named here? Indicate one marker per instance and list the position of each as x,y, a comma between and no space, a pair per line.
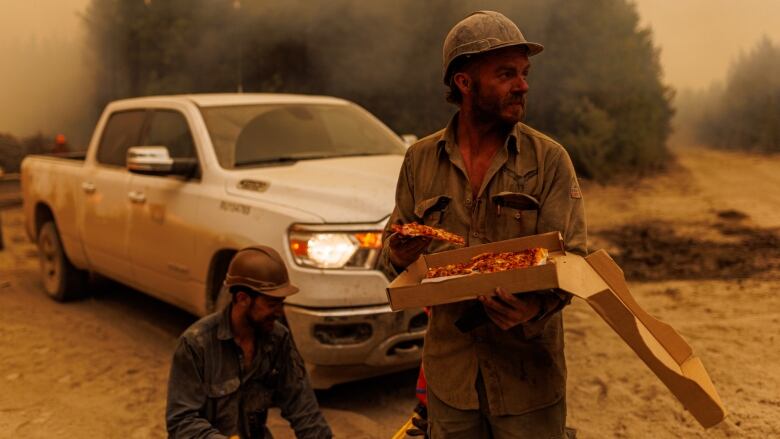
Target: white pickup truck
171,187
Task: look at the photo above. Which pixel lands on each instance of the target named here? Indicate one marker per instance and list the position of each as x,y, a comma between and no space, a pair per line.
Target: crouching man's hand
507,310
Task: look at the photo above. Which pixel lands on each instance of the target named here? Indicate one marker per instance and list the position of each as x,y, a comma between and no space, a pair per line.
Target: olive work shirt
210,395
524,367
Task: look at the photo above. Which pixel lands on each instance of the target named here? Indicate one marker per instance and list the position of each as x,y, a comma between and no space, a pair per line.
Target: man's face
263,310
499,85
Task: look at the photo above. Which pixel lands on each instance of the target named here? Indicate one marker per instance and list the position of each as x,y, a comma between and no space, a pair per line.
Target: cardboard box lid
598,280
661,348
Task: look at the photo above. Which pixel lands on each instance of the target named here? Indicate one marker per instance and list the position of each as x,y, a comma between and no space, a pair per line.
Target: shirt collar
447,141
224,332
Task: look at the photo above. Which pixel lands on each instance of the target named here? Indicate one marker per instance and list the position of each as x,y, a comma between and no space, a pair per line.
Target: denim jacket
211,395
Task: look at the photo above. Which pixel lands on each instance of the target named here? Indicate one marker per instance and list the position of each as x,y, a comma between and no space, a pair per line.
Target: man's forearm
296,399
552,303
302,412
192,427
386,266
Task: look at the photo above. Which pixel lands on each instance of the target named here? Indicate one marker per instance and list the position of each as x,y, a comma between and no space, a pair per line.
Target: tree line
743,112
597,88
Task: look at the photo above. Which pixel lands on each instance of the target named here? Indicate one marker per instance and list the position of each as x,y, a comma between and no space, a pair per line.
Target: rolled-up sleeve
186,397
296,399
403,213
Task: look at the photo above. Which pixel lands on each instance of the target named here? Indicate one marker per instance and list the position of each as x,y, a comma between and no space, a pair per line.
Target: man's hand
406,249
508,311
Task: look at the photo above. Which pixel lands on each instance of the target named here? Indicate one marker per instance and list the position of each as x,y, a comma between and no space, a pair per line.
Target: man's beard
489,109
265,325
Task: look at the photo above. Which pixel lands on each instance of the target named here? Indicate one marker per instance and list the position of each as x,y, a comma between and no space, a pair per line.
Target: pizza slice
449,270
492,263
415,229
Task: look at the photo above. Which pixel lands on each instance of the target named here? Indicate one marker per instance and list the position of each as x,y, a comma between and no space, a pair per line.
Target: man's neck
478,134
243,332
478,142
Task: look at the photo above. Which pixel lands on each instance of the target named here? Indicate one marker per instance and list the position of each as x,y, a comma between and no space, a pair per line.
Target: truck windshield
258,135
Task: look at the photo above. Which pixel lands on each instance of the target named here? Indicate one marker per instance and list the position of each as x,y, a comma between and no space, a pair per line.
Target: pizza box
599,281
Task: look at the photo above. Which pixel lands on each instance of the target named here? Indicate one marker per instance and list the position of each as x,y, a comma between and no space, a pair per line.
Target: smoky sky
700,39
46,81
44,85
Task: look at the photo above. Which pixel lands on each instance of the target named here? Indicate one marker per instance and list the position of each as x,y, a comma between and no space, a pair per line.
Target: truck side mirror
156,160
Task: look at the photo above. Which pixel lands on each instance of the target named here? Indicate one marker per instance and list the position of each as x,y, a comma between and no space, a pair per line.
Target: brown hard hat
482,31
261,269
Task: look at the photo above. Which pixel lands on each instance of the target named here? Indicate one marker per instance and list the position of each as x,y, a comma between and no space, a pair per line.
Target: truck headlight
313,246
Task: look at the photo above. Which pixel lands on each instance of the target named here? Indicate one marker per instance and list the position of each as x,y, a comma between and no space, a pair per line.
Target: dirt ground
700,246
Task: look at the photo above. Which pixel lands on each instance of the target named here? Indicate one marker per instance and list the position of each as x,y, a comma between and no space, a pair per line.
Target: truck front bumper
340,345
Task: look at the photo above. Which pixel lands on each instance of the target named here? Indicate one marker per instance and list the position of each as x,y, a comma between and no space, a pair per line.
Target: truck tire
61,280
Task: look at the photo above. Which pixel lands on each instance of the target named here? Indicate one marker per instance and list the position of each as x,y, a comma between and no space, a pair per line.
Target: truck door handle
136,197
88,187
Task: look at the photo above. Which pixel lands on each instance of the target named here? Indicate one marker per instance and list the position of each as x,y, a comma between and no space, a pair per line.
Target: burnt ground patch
732,214
653,251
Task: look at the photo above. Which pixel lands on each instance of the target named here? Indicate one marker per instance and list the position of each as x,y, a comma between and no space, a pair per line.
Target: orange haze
45,82
699,39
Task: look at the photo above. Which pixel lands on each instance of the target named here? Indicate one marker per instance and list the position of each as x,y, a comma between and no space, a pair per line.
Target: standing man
231,366
505,378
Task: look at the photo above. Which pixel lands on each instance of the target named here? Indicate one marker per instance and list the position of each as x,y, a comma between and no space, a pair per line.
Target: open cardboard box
598,280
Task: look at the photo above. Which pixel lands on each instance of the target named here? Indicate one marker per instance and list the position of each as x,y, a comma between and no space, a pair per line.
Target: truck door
106,203
163,225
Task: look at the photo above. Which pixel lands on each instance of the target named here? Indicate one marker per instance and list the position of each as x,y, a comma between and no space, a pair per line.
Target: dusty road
98,367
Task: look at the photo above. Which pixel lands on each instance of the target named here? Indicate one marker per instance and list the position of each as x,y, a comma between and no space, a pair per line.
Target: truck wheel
61,280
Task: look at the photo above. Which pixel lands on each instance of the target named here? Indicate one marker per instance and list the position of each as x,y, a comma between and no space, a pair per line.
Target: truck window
170,128
254,135
122,131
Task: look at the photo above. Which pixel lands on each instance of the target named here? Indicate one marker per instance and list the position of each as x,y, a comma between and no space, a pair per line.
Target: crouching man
230,367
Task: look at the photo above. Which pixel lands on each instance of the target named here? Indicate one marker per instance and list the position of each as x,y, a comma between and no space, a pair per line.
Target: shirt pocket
223,398
431,210
511,215
224,388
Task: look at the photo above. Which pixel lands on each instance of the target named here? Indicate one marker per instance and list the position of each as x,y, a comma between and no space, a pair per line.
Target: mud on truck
171,187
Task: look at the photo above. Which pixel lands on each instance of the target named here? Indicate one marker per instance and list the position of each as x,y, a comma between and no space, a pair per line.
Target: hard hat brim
533,49
284,291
